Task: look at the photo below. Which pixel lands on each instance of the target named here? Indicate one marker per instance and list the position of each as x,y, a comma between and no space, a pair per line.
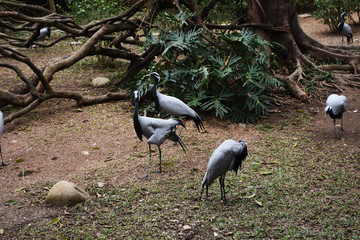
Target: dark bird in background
335,107
1,131
44,32
344,29
173,105
228,156
155,130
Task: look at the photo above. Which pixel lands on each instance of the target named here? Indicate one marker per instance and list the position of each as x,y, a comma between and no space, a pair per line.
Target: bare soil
59,141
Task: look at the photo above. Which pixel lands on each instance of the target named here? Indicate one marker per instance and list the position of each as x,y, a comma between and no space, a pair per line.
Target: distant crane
173,105
155,130
344,29
335,107
1,131
44,32
228,156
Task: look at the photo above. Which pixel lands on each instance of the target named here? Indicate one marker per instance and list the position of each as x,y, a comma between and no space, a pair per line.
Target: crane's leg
341,129
221,193
2,161
223,188
159,159
334,130
148,165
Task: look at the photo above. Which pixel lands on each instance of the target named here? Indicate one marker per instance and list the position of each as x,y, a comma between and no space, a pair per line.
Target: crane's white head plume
155,75
343,14
327,110
136,95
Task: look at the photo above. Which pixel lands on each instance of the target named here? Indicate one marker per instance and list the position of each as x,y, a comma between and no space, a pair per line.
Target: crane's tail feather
199,124
175,138
182,144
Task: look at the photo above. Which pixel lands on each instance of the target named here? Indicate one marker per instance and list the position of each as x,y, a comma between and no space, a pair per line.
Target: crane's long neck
156,95
341,26
137,124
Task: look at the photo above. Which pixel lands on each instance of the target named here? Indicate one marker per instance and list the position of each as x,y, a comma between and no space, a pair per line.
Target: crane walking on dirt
344,29
1,131
173,105
335,107
155,130
44,32
228,156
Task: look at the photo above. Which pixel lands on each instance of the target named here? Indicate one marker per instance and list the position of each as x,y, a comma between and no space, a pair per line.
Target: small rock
186,227
65,193
100,81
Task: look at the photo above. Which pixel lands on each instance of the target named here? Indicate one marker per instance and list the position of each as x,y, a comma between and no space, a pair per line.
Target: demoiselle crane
228,156
1,131
344,29
155,130
44,32
173,105
335,107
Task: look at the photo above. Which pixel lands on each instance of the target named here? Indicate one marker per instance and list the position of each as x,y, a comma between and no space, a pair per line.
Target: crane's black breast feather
137,126
239,158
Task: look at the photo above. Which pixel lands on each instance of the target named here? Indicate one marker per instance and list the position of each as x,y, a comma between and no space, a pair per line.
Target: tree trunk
277,21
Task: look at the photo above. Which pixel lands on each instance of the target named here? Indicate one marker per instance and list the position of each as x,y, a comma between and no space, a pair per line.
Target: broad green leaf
251,196
168,164
259,203
10,202
266,172
55,221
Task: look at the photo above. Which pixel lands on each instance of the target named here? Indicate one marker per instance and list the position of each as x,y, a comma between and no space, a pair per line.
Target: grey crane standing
155,130
228,156
44,32
335,107
1,131
173,105
344,29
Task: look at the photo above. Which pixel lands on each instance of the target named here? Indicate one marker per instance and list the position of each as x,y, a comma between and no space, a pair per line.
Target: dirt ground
59,141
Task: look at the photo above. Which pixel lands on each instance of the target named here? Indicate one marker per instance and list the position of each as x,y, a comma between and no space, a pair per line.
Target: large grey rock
100,81
65,193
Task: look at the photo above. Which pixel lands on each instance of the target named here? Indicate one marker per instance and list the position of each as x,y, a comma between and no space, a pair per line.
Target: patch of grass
310,190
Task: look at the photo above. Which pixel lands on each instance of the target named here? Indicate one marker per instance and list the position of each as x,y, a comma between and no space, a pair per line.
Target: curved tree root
290,82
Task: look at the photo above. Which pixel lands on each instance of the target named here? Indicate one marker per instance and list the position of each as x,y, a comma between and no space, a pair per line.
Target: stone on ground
65,193
100,81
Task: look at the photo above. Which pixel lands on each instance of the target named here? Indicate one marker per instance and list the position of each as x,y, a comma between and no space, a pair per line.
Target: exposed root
347,79
291,82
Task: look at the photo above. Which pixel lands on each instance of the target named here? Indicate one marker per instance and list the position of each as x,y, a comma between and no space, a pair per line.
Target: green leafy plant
231,82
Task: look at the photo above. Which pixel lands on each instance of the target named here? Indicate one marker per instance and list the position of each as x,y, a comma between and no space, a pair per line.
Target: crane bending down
335,107
173,105
344,29
228,156
1,131
155,130
44,32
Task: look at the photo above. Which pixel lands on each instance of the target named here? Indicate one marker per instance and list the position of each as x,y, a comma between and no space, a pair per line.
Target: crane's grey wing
158,137
175,106
219,162
337,103
347,30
